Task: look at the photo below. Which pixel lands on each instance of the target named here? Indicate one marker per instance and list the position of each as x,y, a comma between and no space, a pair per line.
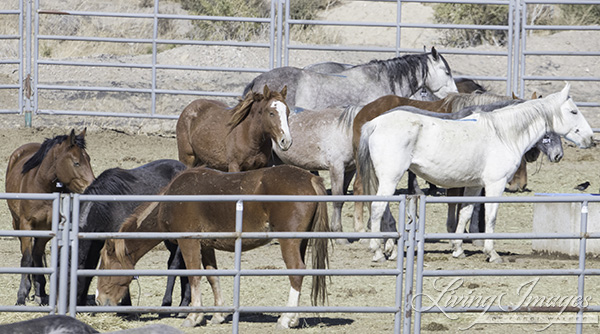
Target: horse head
111,289
73,167
571,122
275,113
438,79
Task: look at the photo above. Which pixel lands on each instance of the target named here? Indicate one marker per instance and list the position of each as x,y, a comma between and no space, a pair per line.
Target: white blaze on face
282,112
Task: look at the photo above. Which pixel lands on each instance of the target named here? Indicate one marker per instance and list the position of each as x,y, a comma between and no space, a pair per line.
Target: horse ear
534,96
266,91
565,91
434,53
82,133
284,92
72,137
514,96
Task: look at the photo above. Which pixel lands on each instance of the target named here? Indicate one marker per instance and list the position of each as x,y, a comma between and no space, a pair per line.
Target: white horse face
575,125
439,79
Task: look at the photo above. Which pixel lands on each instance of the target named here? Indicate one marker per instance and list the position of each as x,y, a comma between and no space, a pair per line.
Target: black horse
148,179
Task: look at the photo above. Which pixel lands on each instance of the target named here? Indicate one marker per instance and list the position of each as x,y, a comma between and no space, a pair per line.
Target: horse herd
376,120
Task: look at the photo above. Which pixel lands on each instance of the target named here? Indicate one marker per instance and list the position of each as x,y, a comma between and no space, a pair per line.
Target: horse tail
365,164
319,250
346,119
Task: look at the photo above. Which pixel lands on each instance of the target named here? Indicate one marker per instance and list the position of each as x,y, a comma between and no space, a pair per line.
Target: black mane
114,181
404,67
39,156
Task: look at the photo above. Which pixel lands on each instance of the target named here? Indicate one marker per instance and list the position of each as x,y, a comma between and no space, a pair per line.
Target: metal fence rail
278,43
411,239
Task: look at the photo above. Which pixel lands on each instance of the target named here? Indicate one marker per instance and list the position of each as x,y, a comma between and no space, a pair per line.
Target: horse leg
413,184
451,219
26,261
491,210
290,250
463,217
519,179
209,261
168,296
337,188
388,224
190,249
477,224
359,224
38,254
386,188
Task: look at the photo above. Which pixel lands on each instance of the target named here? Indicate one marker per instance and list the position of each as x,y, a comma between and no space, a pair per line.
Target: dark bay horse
237,139
59,164
148,179
220,217
358,85
453,103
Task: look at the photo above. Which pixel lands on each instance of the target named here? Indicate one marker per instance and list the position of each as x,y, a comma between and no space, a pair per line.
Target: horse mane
347,116
512,120
457,101
39,156
114,181
399,68
243,108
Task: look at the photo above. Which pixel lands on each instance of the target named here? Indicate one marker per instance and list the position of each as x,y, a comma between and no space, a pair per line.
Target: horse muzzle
555,158
284,143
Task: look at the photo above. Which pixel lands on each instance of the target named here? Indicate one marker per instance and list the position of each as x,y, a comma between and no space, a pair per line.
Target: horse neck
509,124
46,172
251,130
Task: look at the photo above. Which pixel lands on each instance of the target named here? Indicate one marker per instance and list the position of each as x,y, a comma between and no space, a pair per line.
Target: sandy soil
130,143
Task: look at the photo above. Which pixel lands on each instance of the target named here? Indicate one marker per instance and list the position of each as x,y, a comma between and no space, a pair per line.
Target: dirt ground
111,147
128,143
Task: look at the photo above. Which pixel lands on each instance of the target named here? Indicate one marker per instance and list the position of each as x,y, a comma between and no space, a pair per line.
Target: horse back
200,131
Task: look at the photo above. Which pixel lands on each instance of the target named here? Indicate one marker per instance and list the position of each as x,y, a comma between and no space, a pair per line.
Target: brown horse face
111,289
275,121
73,168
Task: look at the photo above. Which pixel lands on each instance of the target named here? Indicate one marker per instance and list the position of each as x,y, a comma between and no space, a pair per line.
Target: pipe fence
153,81
409,272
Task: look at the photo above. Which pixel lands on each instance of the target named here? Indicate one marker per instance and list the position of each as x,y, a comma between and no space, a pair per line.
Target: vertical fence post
54,253
74,242
64,226
400,265
583,231
409,227
239,210
27,84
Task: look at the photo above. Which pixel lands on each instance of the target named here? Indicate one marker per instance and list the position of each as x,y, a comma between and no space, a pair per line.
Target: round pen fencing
409,271
49,85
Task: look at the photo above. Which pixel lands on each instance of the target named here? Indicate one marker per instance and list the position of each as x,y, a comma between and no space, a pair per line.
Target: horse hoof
379,256
217,319
459,254
187,323
496,259
342,241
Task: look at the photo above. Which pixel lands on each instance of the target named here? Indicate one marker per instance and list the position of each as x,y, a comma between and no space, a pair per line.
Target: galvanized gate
34,85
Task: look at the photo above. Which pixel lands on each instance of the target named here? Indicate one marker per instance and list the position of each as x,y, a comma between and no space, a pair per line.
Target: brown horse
58,164
236,140
220,217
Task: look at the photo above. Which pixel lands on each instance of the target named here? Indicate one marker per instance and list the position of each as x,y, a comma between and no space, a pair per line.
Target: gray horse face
439,79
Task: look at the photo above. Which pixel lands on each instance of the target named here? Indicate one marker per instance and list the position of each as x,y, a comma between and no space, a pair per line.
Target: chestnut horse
220,217
57,165
207,134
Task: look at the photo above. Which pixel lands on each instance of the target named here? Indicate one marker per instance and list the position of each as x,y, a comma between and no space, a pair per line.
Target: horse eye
76,164
574,112
271,114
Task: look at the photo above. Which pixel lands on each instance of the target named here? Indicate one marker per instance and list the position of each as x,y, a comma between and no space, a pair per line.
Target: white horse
480,151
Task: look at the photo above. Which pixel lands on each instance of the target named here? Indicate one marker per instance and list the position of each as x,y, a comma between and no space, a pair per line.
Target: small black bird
583,186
